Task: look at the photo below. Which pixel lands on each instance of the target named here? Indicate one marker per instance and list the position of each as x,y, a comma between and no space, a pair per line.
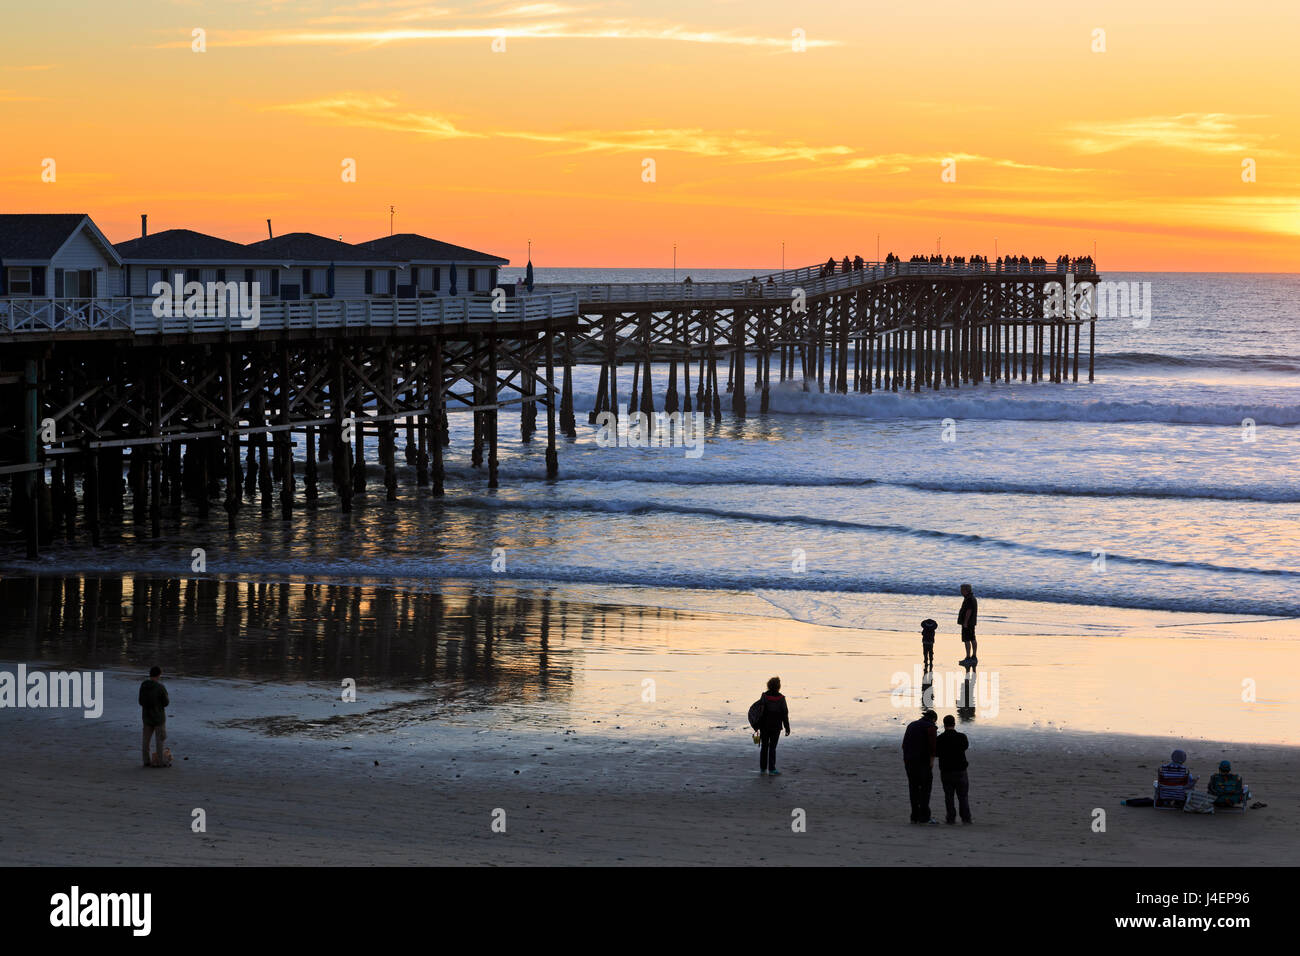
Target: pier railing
65,315
813,280
136,315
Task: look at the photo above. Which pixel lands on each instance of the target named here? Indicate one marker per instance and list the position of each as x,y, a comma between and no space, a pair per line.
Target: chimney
269,233
144,224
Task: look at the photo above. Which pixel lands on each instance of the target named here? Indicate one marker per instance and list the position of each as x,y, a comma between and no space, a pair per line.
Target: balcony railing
137,315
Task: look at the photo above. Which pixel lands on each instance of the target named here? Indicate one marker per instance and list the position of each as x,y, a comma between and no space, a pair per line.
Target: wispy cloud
1195,132
739,145
384,112
906,162
608,30
374,24
377,112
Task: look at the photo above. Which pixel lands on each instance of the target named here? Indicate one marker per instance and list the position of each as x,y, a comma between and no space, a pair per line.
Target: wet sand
74,796
537,705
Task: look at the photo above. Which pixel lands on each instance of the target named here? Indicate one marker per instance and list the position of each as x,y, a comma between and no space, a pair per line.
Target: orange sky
1139,147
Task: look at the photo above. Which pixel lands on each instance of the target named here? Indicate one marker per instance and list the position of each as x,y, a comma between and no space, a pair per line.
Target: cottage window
20,280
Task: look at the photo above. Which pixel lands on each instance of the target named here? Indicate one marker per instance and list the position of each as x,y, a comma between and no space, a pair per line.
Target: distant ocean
1172,484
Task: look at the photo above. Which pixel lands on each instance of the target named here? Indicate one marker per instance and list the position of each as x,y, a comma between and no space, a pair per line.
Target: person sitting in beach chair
1227,789
1173,781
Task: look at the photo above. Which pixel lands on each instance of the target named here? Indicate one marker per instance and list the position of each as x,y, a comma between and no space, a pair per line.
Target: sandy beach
588,772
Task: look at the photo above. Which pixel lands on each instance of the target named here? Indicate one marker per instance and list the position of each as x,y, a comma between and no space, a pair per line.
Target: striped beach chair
1171,785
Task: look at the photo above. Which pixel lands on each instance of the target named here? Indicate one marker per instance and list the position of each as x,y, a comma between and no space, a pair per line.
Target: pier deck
208,405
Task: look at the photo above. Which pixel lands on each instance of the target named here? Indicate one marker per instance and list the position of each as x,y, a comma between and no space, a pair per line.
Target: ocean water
1170,485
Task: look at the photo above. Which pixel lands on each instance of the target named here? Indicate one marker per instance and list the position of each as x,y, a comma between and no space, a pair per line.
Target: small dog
162,761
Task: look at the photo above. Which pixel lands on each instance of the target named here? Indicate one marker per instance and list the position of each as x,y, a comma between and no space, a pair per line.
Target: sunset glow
1139,148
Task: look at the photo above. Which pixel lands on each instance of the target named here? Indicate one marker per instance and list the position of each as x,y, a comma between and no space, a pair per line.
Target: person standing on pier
966,618
153,712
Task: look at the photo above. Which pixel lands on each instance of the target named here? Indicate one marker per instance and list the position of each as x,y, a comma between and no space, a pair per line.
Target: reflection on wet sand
482,647
967,692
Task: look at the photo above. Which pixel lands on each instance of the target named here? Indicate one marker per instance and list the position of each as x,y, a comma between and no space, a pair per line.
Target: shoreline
509,652
1023,613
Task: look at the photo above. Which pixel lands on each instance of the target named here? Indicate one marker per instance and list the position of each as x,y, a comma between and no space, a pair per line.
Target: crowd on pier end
976,263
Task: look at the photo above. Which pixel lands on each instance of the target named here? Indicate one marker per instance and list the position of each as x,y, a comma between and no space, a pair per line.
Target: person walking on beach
951,748
776,714
918,761
966,618
153,712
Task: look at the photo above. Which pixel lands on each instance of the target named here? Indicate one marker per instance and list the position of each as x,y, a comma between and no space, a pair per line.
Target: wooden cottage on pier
56,255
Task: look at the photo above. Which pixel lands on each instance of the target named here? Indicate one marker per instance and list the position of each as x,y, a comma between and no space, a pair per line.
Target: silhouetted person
153,712
776,714
951,747
928,627
918,761
966,618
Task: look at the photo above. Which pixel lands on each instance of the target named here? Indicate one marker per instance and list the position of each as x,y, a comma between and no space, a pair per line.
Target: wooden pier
102,401
883,326
198,410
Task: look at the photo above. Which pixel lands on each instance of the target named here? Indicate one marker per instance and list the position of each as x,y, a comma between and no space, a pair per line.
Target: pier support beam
738,403
155,450
284,440
552,459
341,428
437,392
1092,343
31,443
493,397
567,423
233,473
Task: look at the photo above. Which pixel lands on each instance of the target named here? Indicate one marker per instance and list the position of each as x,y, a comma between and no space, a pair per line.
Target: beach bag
1198,802
756,713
